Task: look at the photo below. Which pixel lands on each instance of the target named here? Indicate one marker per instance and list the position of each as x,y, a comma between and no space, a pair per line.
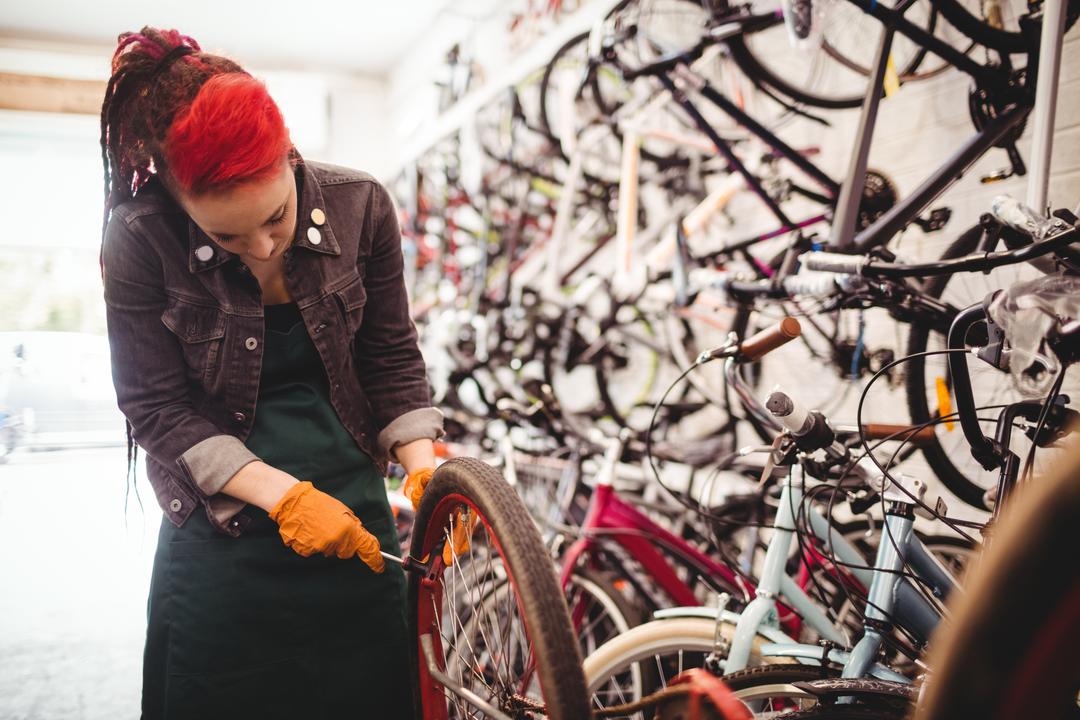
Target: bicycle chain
522,702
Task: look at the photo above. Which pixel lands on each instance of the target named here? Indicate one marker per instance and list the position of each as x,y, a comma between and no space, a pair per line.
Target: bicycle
885,606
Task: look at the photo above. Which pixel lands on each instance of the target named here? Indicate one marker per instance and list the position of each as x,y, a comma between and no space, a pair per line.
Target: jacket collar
313,230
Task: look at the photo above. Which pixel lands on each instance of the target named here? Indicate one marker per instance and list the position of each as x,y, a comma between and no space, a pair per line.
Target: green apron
246,628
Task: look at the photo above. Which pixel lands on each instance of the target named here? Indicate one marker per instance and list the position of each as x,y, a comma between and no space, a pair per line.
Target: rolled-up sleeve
210,463
149,371
389,362
420,424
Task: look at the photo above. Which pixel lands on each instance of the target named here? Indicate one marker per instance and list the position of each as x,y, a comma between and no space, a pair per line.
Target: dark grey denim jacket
185,324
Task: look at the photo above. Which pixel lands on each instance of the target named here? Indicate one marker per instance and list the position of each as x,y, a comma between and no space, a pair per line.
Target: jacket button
204,253
175,505
239,417
318,216
314,236
251,343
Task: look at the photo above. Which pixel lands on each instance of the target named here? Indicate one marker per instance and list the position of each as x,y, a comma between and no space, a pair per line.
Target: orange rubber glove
462,530
458,543
415,484
310,521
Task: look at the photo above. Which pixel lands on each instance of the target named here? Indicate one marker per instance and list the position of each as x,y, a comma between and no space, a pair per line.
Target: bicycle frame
893,594
890,595
778,146
850,193
885,227
611,518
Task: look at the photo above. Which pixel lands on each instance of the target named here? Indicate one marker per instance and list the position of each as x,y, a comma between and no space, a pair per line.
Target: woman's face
255,220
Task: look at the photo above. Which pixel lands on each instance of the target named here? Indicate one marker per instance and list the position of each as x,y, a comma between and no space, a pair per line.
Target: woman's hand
418,459
311,521
415,484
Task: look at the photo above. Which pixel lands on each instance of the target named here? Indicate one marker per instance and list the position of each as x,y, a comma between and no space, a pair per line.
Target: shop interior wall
918,128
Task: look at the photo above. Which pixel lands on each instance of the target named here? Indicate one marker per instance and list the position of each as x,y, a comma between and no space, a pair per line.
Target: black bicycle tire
545,81
915,384
1005,41
605,579
761,75
662,162
549,369
786,674
910,73
600,372
558,658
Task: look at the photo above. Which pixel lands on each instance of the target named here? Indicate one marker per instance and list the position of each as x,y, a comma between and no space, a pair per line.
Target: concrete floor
73,585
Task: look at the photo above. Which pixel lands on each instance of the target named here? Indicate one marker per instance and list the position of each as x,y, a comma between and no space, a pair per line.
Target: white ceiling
362,36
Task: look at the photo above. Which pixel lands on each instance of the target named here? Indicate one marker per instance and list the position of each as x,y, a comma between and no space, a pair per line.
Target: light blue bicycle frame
891,595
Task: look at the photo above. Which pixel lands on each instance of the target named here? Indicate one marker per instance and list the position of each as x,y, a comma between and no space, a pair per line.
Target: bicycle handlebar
834,262
757,346
912,434
730,26
981,262
982,447
1021,218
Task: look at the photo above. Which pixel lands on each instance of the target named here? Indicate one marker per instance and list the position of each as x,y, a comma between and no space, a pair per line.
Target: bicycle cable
689,504
862,439
1044,414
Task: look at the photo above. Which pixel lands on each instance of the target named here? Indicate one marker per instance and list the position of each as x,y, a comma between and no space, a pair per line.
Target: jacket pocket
201,330
351,300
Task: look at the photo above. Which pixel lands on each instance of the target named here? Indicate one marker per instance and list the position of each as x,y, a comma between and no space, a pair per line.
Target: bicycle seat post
606,475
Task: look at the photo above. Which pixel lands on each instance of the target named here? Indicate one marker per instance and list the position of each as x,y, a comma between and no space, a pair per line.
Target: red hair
231,133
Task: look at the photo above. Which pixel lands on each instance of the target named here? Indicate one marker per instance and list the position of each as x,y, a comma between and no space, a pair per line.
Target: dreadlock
142,98
195,120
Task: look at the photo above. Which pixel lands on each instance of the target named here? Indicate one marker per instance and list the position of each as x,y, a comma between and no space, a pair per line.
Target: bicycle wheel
608,369
494,621
833,75
996,24
1009,654
650,30
928,383
642,660
770,691
847,712
599,611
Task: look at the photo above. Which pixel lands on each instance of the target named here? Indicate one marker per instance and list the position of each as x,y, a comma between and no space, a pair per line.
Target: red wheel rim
431,607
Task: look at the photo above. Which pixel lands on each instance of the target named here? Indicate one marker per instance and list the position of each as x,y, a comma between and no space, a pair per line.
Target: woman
265,360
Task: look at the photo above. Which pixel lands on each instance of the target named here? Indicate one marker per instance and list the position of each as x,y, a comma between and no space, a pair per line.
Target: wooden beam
39,93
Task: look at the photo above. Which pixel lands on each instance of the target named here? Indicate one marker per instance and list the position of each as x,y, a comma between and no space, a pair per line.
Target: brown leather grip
880,431
755,347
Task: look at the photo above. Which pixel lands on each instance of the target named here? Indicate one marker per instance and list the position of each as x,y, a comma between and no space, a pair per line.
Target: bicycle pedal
996,176
938,219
